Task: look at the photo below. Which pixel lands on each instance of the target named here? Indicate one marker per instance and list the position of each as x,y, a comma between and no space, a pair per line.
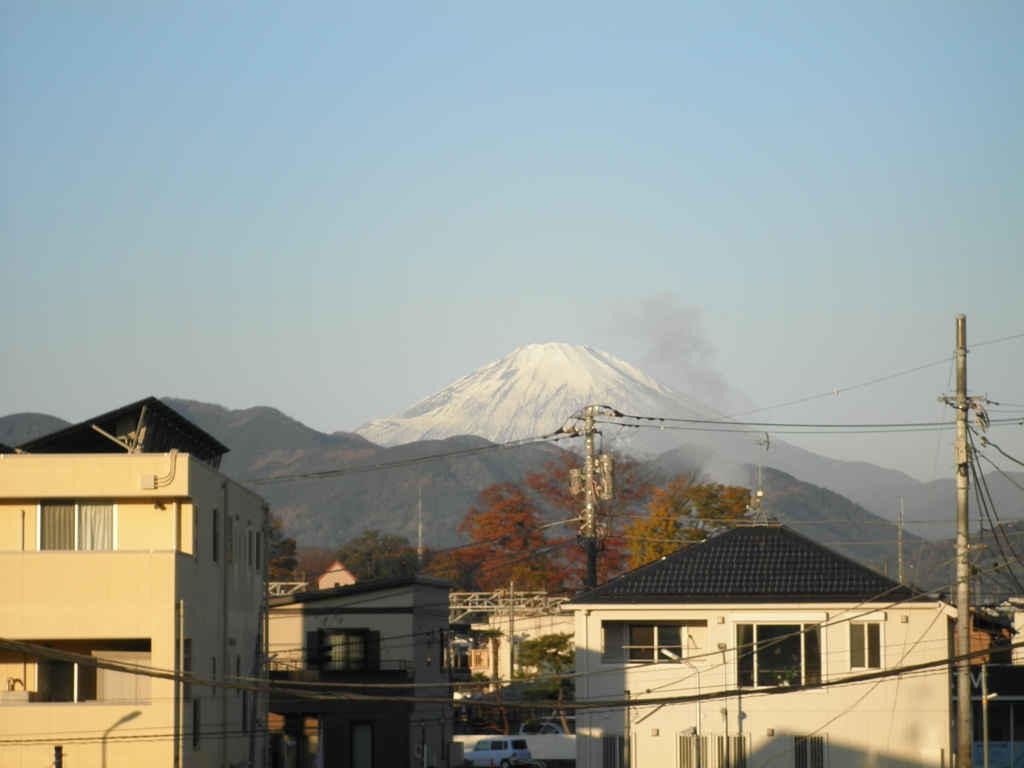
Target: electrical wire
553,437
986,442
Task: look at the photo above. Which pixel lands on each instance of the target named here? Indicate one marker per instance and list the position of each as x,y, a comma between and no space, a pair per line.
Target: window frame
623,653
318,650
77,504
866,649
805,625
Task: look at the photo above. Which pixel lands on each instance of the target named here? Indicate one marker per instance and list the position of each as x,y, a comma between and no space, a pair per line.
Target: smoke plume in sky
672,346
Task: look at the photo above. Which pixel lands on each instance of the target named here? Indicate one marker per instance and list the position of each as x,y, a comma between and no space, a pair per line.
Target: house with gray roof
760,647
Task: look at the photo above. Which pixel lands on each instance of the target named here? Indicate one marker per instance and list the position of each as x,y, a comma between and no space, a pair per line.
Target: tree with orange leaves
509,543
633,488
683,511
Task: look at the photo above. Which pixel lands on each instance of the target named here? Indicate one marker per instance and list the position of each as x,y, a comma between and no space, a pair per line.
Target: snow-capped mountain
533,390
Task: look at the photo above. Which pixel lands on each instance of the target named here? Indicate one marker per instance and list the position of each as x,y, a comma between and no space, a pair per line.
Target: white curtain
96,526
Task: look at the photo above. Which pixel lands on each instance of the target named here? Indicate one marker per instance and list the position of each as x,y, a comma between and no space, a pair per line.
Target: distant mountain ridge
533,390
18,428
265,442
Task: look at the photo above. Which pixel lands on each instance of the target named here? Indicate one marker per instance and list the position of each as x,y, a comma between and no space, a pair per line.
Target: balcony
368,670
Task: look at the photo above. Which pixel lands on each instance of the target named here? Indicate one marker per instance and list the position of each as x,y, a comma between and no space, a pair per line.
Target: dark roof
4,448
163,429
360,587
767,563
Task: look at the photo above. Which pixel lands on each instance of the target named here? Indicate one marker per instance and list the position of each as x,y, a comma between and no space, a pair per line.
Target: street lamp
677,658
985,697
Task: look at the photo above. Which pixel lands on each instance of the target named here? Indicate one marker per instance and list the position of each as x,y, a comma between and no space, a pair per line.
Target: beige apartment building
120,541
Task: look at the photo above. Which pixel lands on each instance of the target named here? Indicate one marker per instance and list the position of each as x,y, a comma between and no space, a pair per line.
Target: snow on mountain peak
532,391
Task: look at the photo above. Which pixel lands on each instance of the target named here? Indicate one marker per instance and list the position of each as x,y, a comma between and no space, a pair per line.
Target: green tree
281,551
685,510
373,555
554,658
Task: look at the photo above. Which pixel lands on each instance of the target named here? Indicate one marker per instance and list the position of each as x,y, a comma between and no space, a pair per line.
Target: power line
554,436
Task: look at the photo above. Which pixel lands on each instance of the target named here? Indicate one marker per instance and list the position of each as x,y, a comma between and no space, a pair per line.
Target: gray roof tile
751,563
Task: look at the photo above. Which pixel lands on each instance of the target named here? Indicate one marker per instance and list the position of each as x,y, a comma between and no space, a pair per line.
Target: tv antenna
758,496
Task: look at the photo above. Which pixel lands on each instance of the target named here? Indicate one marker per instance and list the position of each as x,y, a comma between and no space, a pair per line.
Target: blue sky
338,208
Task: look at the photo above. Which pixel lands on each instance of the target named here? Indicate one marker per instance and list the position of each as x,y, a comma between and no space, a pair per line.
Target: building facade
386,641
762,623
142,561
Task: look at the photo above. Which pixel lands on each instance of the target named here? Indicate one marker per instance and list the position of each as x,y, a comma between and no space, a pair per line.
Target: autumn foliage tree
508,542
685,510
634,485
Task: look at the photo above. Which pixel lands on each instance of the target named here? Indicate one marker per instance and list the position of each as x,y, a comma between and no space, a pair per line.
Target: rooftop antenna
758,496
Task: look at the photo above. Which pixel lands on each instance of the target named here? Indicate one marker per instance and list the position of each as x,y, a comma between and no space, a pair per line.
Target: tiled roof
753,563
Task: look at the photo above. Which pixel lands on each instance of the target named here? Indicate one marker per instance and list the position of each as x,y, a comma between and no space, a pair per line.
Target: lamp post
985,696
679,659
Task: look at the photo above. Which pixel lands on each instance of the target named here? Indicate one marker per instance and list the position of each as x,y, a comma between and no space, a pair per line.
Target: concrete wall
103,602
409,618
899,720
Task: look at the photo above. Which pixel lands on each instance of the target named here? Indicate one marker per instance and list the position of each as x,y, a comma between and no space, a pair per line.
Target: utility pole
511,632
58,757
964,736
901,542
419,535
590,501
594,481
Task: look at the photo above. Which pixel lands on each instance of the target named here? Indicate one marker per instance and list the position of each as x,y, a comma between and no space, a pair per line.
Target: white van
498,752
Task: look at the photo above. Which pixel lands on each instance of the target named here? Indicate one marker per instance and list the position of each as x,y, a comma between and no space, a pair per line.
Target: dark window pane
778,654
641,635
857,655
669,637
56,681
745,642
874,645
812,654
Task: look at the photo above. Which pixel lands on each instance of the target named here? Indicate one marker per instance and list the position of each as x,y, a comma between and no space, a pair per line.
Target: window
865,646
625,642
778,654
66,681
71,526
216,536
186,666
344,650
809,751
195,533
196,721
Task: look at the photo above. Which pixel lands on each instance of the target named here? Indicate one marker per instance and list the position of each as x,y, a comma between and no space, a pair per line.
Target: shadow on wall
781,750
